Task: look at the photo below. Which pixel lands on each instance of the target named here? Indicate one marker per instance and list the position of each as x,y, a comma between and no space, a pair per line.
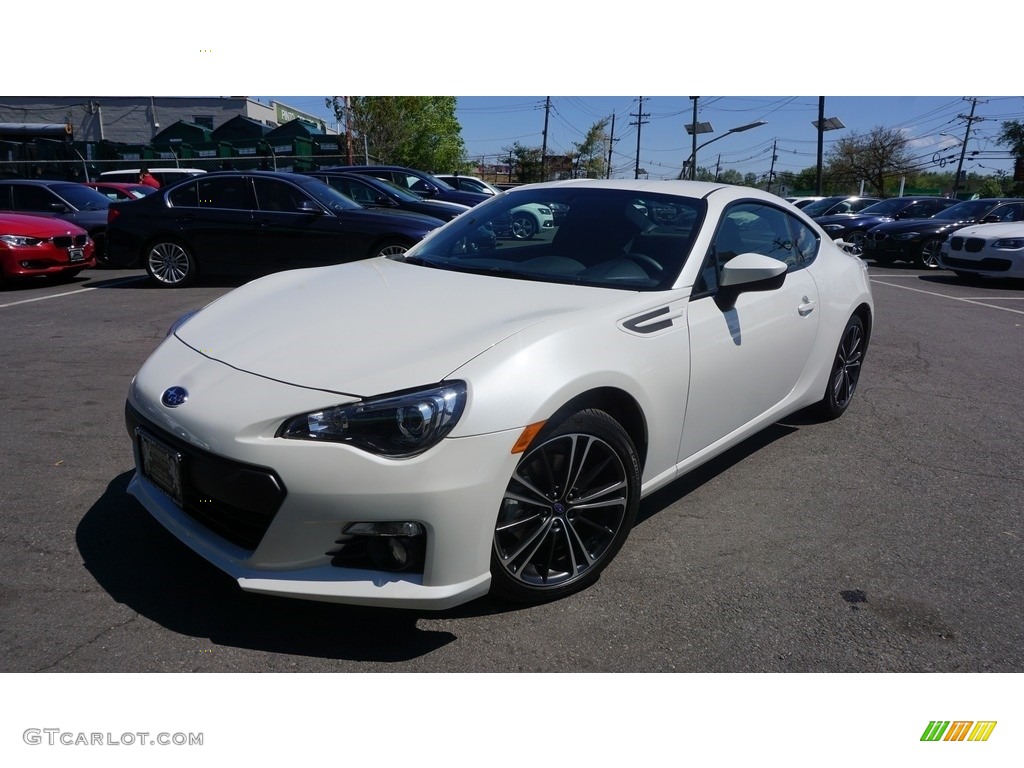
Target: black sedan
851,227
826,206
252,223
65,200
919,240
371,192
420,183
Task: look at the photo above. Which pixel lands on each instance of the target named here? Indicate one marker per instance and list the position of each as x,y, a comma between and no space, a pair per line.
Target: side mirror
990,219
747,270
308,206
58,207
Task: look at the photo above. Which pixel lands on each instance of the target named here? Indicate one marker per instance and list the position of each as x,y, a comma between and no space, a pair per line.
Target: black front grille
63,241
956,243
236,501
985,265
974,244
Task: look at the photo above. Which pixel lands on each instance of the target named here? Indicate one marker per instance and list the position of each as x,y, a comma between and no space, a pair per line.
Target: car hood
993,231
373,326
920,225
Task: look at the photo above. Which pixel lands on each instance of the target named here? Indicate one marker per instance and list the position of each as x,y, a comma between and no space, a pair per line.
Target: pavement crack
87,643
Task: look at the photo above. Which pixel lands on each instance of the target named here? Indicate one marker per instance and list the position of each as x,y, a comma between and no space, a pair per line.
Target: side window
185,197
5,197
1012,212
28,198
233,193
756,228
277,196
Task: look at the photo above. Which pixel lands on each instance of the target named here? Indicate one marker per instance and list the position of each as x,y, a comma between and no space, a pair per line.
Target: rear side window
233,193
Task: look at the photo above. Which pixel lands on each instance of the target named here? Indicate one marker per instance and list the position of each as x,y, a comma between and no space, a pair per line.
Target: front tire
567,510
392,249
524,226
929,258
170,263
856,242
846,366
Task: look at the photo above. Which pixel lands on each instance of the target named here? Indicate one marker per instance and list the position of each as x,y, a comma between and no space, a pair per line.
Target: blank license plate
162,465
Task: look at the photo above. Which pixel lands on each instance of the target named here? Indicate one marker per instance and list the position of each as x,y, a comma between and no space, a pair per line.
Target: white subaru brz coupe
484,415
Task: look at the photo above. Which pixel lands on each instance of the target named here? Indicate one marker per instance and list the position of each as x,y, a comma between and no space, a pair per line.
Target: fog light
391,546
384,529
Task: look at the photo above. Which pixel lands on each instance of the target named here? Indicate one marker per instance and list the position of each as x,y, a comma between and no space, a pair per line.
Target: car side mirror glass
308,206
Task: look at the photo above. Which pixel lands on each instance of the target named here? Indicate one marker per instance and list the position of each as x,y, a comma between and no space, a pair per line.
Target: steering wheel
644,259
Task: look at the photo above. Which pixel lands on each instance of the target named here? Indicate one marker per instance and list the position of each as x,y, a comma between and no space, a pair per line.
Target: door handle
806,307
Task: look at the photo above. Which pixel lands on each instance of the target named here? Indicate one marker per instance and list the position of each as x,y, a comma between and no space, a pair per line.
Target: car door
215,215
748,350
297,229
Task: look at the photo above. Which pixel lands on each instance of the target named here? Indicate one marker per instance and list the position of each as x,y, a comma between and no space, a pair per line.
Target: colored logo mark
959,730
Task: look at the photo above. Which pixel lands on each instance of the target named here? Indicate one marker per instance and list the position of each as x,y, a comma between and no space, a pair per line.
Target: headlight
1009,243
398,425
906,236
830,228
19,240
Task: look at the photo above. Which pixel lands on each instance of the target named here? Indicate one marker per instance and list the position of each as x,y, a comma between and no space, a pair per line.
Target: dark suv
919,240
420,182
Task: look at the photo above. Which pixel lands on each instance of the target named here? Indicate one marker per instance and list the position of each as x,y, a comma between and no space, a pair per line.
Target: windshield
401,193
887,207
81,197
819,207
970,209
328,196
609,238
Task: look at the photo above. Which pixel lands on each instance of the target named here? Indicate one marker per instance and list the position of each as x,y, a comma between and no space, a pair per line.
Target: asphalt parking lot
886,541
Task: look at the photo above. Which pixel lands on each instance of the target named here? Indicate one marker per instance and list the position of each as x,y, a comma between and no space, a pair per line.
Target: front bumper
453,490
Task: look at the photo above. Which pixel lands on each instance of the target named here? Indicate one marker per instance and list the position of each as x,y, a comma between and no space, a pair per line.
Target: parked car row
931,232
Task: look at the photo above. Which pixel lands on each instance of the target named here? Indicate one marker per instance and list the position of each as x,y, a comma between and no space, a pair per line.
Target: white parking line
75,292
952,298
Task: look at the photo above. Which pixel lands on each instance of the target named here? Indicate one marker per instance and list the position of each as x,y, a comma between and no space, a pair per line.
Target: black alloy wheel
846,367
567,510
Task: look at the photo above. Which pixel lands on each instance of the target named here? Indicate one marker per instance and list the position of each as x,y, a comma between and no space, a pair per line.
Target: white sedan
485,415
985,250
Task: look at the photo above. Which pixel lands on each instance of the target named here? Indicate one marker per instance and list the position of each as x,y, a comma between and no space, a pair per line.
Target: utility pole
771,171
544,146
611,143
718,165
821,143
963,148
693,154
640,115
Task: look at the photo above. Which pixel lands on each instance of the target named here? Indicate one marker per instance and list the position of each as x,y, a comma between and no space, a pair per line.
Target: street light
692,162
822,124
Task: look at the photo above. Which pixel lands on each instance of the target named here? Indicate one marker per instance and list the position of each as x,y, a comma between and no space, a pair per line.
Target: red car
40,245
116,190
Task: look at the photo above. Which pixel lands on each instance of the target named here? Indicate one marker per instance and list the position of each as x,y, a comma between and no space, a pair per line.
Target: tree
875,157
416,131
590,161
1012,135
526,161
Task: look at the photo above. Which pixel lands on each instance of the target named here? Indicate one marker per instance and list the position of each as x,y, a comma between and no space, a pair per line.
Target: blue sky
491,123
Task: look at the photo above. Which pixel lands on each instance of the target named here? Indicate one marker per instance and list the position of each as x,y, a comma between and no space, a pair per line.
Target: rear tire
567,511
169,263
842,381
